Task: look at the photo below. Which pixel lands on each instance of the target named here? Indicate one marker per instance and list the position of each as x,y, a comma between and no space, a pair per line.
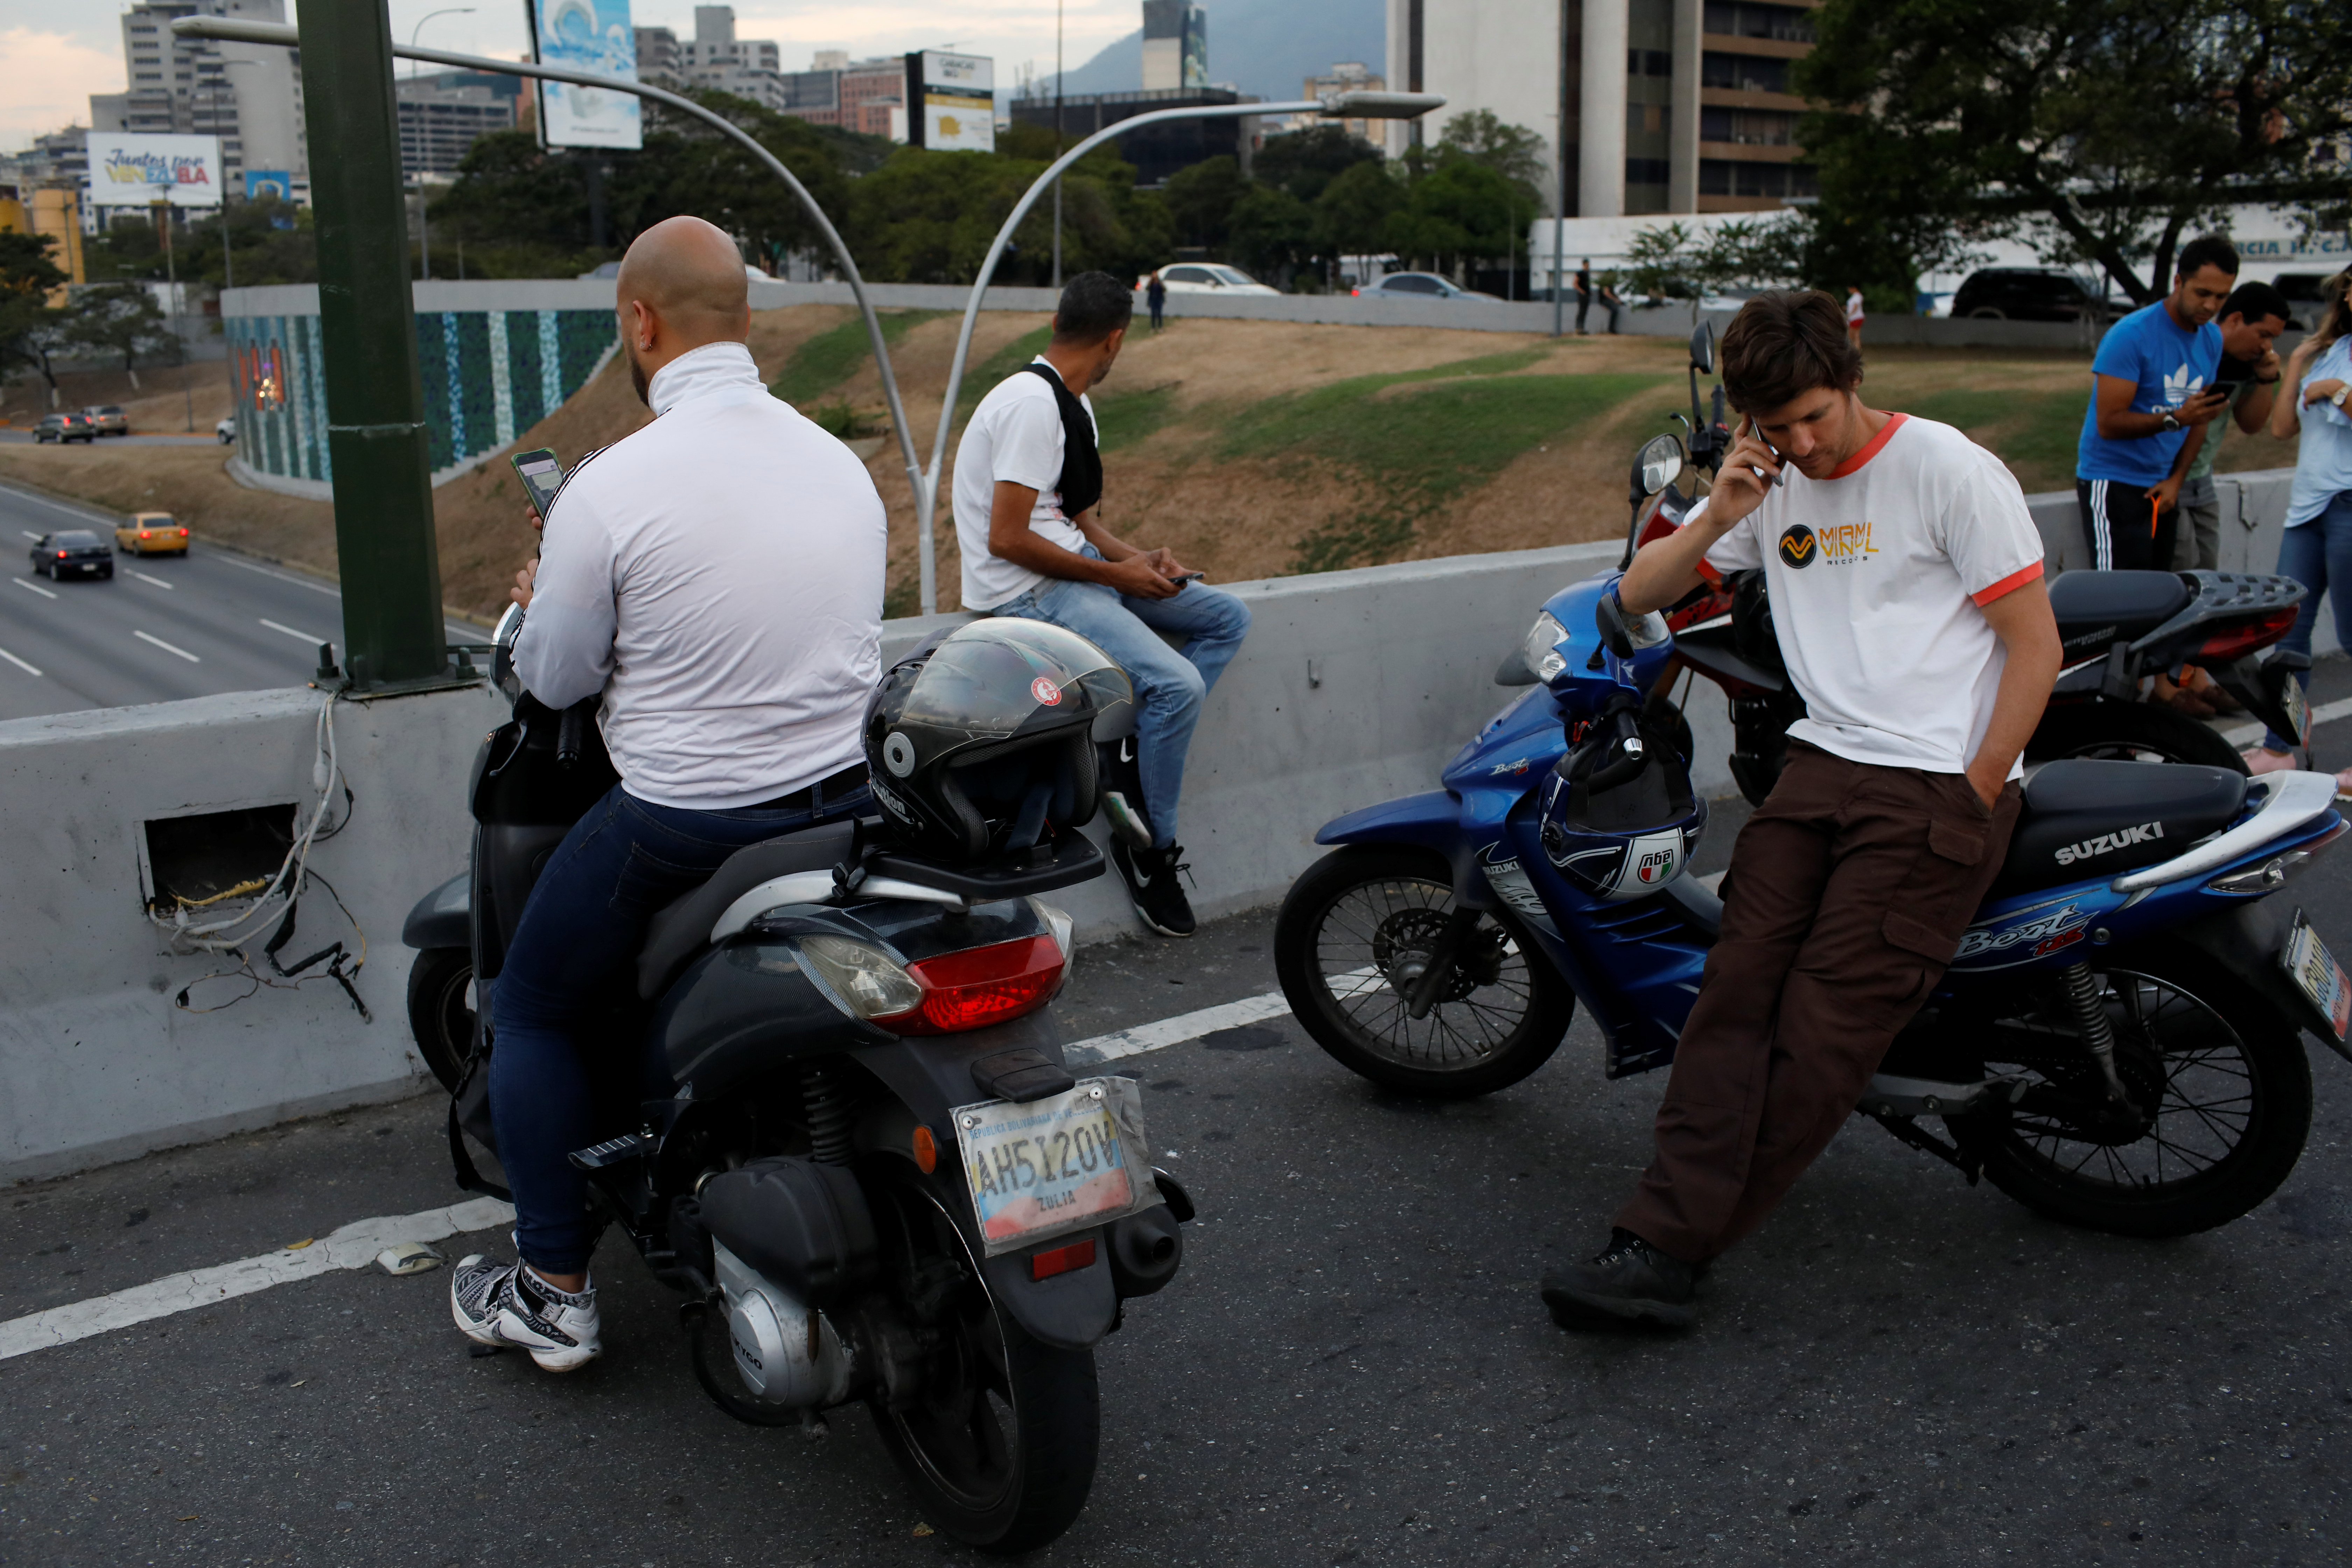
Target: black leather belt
841,783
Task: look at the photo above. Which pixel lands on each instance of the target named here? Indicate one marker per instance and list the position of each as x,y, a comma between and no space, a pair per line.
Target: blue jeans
2315,554
570,1025
1169,686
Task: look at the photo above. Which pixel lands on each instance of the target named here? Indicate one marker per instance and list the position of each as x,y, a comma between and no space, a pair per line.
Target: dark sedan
2028,294
73,553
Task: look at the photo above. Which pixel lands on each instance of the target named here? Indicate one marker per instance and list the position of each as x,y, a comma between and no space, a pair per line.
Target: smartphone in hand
1183,577
542,474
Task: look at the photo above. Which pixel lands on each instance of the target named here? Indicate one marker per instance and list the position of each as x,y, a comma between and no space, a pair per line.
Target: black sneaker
1150,878
1632,1282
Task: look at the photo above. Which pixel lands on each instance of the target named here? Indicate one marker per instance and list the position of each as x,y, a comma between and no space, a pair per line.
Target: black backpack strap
1081,484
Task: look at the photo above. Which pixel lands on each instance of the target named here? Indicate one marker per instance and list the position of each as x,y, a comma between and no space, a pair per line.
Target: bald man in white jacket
717,576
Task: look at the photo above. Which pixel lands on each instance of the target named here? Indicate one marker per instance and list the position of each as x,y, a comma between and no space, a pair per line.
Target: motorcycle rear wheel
441,1011
2130,732
1345,942
1000,1444
2234,1110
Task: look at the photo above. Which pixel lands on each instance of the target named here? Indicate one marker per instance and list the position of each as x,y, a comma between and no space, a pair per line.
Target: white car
1206,277
1420,286
226,430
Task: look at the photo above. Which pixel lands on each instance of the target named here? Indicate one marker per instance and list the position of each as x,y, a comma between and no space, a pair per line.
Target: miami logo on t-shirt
1842,545
2180,386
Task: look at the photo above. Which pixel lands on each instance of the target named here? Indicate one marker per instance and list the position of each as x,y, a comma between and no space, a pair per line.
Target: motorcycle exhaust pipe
1146,1250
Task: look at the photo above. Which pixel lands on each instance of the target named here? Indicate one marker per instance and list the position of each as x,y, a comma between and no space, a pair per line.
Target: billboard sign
590,36
954,107
127,170
260,183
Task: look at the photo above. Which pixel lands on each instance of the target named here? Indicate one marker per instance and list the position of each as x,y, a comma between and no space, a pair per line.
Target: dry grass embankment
1252,449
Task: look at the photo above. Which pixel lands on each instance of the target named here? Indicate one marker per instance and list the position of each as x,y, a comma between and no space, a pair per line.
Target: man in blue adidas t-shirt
2151,385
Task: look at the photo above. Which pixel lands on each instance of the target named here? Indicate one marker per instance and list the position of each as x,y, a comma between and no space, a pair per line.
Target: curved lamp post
1338,106
286,37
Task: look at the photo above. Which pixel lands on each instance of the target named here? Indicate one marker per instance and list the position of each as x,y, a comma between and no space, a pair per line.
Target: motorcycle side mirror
502,642
1658,464
1608,616
1702,348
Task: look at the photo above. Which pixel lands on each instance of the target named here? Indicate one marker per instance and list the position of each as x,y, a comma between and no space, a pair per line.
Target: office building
1348,76
1156,151
856,95
53,209
1673,105
1175,46
442,114
248,95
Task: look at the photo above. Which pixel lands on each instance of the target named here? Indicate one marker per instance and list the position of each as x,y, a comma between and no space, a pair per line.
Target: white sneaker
505,1304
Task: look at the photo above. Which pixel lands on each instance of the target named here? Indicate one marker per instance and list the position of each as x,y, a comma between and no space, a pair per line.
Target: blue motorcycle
2115,1043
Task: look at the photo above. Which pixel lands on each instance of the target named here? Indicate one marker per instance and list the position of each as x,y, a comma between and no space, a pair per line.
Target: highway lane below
164,628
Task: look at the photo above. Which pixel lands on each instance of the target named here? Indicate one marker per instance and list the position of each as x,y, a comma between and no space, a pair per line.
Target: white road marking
2245,735
167,647
19,663
353,1246
144,578
281,577
1175,1031
29,534
35,587
290,631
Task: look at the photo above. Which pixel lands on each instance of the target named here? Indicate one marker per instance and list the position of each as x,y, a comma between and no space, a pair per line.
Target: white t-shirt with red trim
1877,575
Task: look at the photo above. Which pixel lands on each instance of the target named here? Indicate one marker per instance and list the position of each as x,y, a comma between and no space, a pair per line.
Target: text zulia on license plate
1044,1165
2316,972
2298,708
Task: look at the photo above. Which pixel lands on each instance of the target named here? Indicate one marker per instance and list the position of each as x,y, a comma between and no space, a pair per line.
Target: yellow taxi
151,533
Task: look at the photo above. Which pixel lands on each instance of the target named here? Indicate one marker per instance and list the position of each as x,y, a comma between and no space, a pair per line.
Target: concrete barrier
1354,686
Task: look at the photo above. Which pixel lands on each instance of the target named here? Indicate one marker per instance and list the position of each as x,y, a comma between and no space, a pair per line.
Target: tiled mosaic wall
488,377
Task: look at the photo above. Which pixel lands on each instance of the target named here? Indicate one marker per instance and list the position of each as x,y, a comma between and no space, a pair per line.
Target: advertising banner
587,36
260,183
127,170
954,107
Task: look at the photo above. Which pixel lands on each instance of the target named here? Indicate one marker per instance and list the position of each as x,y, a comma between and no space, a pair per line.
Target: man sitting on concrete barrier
718,577
1028,481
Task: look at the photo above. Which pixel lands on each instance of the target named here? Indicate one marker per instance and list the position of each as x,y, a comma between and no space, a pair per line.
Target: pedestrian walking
1853,317
2316,549
1583,294
1155,295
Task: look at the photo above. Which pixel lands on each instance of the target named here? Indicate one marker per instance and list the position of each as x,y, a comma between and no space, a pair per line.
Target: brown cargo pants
1848,893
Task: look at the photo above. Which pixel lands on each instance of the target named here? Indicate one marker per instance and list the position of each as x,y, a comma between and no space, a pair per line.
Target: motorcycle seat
2085,818
2096,608
681,928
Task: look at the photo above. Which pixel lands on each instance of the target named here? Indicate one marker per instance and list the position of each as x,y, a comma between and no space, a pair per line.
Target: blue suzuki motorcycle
2116,1044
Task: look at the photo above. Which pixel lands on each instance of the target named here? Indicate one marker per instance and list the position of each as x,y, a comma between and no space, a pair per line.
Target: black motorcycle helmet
979,743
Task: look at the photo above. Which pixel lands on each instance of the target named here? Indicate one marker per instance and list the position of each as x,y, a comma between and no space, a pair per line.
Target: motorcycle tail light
2236,641
980,986
1061,1260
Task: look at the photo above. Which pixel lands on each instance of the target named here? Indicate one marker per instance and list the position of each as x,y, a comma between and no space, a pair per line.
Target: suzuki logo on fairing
1977,943
2106,843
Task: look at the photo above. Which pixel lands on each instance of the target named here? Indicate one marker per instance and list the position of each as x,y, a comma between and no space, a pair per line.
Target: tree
29,327
1460,209
1513,151
2101,129
1273,233
1354,210
120,318
1304,163
1200,198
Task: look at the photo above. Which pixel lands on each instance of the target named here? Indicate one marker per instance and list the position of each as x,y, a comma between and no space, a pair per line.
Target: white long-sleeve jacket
717,575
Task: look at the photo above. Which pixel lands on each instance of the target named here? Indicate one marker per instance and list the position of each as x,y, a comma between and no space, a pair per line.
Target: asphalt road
1353,1367
166,627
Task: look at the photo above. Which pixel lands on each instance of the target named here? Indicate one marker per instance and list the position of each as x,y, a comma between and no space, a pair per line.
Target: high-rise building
442,114
1175,46
834,91
1673,105
248,95
1348,76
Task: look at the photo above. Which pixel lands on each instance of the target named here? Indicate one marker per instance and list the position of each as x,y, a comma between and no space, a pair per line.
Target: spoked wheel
1355,946
2216,1075
2129,732
441,1011
999,1440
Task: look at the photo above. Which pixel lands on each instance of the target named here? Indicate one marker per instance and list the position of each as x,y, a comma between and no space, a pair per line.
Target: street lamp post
418,30
1338,106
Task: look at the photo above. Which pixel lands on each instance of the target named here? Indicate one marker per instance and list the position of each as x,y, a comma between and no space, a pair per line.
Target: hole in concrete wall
204,855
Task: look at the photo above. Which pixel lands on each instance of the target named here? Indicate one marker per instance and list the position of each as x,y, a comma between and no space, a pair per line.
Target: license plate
2318,976
1051,1165
2298,708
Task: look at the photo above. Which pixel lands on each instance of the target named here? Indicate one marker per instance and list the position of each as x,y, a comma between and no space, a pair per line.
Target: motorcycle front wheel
1359,932
998,1441
2130,732
2223,1070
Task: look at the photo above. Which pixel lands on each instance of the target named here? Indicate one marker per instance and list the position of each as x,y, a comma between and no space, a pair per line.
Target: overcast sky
53,55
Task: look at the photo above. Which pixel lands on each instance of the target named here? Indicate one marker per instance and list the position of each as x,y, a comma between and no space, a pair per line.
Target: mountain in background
1267,47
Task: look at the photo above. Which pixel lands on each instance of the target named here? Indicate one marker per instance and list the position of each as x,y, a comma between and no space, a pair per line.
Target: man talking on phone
1028,489
717,576
1905,580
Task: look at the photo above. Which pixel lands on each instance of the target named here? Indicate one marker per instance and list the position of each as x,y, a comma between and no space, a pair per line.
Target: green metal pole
390,568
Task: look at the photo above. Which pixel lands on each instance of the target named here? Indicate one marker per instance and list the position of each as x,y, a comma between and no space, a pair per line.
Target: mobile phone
541,475
1182,577
1780,478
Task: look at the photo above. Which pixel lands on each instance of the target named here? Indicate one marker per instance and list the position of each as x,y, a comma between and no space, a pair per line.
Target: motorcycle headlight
1540,650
